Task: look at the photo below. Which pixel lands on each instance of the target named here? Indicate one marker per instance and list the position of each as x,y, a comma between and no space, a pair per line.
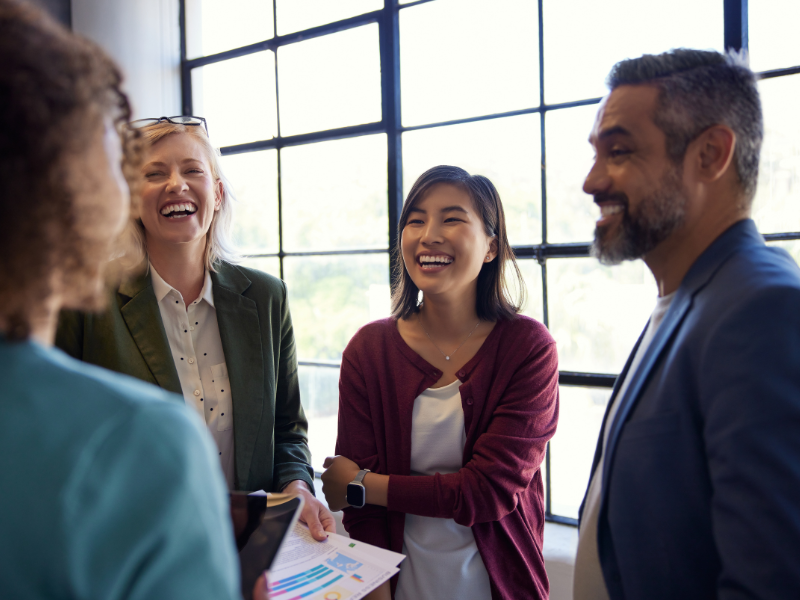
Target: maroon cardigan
510,399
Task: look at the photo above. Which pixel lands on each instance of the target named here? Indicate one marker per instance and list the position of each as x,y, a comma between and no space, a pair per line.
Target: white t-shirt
196,347
588,582
443,559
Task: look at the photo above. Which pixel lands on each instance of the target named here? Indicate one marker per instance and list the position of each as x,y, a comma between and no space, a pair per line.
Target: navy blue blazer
701,481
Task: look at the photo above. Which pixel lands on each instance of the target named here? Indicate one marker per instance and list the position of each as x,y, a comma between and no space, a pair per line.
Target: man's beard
657,217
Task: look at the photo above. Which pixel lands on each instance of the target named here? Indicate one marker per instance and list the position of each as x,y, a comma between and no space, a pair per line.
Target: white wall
143,36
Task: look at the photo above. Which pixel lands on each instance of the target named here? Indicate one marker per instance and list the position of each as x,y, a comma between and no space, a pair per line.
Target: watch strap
360,477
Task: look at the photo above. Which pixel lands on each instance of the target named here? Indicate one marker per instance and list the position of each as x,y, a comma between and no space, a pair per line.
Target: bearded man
695,487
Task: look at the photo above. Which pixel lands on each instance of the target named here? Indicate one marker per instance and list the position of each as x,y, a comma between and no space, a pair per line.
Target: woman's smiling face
444,242
180,193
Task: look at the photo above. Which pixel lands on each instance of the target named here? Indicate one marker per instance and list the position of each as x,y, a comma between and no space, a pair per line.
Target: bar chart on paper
337,569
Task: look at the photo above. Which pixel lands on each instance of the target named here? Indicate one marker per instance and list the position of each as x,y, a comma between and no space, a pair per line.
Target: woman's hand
340,471
382,592
318,518
261,588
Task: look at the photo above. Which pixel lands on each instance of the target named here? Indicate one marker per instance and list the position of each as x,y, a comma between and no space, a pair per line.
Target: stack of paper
337,569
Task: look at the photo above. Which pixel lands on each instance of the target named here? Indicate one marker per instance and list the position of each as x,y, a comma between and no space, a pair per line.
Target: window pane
596,312
217,25
792,247
620,29
268,264
772,34
776,204
319,392
296,15
532,274
334,195
507,151
238,98
331,81
571,214
332,296
572,448
254,179
464,58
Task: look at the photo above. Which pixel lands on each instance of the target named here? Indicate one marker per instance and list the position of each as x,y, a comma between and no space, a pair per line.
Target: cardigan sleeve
292,455
505,457
356,440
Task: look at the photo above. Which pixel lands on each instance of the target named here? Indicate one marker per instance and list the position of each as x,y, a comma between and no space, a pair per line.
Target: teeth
180,207
610,209
435,259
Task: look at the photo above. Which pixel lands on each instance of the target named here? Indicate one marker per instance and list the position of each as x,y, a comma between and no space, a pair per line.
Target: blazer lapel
677,311
139,308
598,451
240,330
734,239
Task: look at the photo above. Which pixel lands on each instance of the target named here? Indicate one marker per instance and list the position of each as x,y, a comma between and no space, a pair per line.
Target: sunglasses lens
187,120
182,120
142,123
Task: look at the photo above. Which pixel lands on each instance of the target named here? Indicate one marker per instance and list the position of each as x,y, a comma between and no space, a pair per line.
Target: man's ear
712,152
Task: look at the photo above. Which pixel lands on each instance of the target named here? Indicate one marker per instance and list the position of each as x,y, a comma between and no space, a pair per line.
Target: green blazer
269,426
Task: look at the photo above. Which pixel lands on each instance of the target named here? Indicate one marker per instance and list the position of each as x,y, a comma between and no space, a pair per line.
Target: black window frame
735,18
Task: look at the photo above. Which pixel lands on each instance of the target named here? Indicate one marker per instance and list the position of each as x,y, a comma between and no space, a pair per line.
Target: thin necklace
446,357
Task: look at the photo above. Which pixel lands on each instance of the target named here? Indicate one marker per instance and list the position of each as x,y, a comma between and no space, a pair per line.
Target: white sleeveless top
443,560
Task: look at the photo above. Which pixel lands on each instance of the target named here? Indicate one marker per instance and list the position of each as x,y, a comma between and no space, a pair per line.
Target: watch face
356,495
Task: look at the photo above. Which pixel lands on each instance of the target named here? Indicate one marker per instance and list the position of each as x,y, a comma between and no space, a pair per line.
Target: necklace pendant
447,358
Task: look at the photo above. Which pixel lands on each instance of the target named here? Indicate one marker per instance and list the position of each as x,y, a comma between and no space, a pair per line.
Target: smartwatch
356,493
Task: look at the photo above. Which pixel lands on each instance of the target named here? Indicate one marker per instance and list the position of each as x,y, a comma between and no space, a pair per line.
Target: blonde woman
195,323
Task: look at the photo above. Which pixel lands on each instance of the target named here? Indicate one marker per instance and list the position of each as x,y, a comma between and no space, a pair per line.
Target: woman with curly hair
110,489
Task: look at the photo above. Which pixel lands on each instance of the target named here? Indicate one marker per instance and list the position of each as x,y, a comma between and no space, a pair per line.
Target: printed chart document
337,569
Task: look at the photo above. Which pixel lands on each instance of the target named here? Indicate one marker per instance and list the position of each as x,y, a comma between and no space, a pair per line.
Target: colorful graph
290,587
334,593
344,563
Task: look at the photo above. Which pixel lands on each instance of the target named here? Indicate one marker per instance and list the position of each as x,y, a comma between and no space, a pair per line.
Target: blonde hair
219,245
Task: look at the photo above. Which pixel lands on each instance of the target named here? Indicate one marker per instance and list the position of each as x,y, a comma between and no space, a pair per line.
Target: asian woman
446,407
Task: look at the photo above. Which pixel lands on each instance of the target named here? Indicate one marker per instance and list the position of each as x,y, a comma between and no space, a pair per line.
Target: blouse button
461,373
197,392
191,361
469,401
191,328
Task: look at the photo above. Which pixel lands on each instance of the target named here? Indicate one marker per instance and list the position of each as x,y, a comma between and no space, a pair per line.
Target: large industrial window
326,112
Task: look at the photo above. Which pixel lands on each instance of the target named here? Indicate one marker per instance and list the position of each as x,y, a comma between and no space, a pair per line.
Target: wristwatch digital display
356,493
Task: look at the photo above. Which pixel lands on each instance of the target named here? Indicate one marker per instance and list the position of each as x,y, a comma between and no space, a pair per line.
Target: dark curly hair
56,91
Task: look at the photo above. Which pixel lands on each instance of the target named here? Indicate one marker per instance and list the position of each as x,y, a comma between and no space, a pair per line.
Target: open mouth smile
178,210
436,262
608,211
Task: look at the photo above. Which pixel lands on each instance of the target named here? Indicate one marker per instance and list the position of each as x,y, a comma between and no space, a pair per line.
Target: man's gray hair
698,89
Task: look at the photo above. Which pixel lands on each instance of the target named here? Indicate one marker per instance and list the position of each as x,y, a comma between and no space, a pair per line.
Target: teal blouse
107,489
